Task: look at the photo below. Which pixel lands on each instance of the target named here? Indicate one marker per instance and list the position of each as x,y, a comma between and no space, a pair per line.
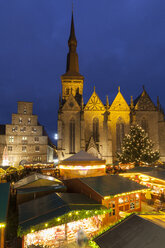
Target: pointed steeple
72,67
72,37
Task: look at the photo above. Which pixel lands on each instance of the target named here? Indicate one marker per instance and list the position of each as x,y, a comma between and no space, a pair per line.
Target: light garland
127,193
77,167
66,218
2,225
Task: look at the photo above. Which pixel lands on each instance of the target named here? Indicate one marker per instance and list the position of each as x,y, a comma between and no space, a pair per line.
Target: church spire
72,68
72,37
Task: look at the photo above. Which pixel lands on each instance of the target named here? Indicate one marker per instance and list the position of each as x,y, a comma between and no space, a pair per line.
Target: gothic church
96,127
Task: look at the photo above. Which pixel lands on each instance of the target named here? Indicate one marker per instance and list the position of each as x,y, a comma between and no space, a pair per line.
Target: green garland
66,218
93,244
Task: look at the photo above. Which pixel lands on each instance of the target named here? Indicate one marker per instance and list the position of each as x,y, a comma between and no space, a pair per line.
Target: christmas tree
137,147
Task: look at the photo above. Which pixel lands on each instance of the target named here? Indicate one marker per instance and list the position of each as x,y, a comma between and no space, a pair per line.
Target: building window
37,159
10,148
72,135
25,111
37,148
34,130
23,129
144,125
96,129
29,121
132,205
20,120
119,134
11,139
24,148
77,91
36,139
24,138
67,91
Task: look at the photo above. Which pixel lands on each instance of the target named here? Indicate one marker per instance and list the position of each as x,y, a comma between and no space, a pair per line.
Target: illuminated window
24,148
29,120
13,129
10,148
20,120
72,135
37,159
96,129
119,134
37,148
121,200
11,139
24,138
34,130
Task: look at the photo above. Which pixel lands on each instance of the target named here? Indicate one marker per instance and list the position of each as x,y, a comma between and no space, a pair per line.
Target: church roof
82,156
94,103
144,102
119,103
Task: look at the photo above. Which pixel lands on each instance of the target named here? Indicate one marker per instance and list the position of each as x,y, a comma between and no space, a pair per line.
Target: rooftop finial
118,88
107,103
131,102
94,88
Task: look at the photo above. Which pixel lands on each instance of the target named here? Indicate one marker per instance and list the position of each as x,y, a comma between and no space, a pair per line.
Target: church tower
70,115
72,80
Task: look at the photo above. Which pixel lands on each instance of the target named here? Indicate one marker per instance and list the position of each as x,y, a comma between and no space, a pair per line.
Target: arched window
96,129
72,135
119,134
144,125
77,91
67,91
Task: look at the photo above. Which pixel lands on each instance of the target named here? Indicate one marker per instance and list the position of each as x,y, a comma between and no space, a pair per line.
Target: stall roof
56,188
37,180
82,156
133,232
50,206
140,169
159,174
4,200
111,184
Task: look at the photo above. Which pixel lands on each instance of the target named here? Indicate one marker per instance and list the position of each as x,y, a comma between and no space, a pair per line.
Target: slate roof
160,174
82,156
140,169
111,184
133,232
53,205
37,180
4,200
